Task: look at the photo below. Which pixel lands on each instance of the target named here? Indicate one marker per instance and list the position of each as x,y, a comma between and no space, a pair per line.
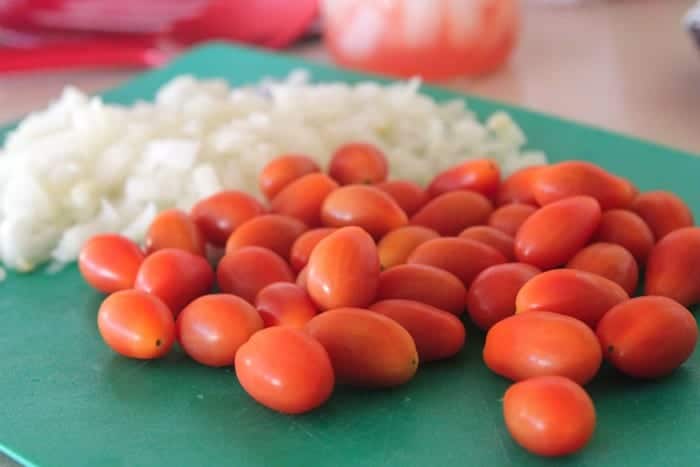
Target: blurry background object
435,39
692,22
36,34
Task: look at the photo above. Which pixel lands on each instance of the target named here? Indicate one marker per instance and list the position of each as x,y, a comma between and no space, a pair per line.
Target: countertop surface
626,65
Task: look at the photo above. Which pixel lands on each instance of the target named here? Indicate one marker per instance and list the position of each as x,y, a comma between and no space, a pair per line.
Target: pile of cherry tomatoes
346,278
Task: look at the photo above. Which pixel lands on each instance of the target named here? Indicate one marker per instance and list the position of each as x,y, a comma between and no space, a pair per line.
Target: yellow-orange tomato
541,343
573,178
174,229
549,416
302,198
366,349
358,163
363,206
436,333
175,276
212,328
283,170
628,230
424,284
551,236
491,296
304,245
343,270
663,212
491,237
247,271
673,268
408,195
395,246
110,262
580,294
509,217
220,214
272,231
285,369
453,212
610,261
648,337
285,304
518,187
136,324
479,175
462,257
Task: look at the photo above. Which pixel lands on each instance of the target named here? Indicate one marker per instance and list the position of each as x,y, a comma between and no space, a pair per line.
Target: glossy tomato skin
480,175
573,178
491,296
136,324
628,230
663,212
408,195
285,370
518,187
424,284
301,278
175,276
213,327
361,163
366,349
110,262
610,261
218,215
174,228
463,257
580,294
551,236
437,334
541,343
283,170
362,206
302,199
509,217
395,247
673,268
549,415
285,304
304,245
343,270
648,337
247,271
452,212
272,231
492,237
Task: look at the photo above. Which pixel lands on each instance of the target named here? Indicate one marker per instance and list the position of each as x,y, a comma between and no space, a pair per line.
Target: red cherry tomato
480,175
285,370
272,231
518,186
283,170
673,269
663,212
247,271
553,235
303,198
491,237
450,213
358,163
285,304
343,270
305,244
175,229
549,416
175,276
219,215
648,337
110,262
610,261
628,230
395,247
136,324
509,217
408,195
213,327
492,295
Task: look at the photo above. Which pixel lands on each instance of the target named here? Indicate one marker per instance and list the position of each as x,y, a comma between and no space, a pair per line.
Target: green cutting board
67,400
